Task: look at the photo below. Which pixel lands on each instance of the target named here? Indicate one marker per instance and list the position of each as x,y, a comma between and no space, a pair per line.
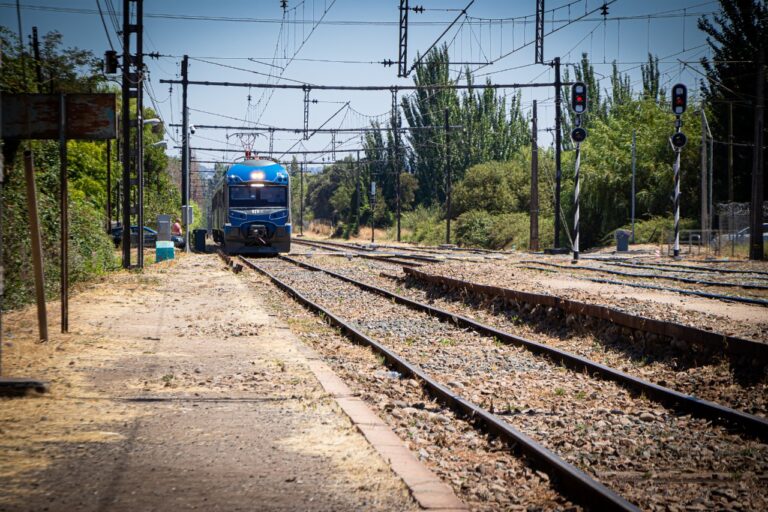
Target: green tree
736,35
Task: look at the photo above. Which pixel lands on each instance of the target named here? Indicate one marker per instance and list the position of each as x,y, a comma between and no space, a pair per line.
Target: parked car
150,236
742,236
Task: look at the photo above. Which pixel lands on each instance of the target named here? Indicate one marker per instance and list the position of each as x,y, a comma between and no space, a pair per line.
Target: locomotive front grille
257,231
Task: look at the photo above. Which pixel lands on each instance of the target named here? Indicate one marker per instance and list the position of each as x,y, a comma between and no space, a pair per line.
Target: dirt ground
176,391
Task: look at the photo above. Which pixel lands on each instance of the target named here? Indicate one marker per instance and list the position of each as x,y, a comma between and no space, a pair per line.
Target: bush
424,225
475,229
509,230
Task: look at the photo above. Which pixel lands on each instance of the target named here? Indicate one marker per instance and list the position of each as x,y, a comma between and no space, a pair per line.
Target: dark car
150,235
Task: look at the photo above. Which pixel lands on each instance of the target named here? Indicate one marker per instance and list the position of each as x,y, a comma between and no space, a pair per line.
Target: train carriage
250,209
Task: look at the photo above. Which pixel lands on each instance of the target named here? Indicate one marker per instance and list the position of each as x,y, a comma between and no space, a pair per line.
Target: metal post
64,207
756,251
301,199
396,160
185,151
539,56
576,204
634,162
676,250
109,185
357,192
449,182
373,209
140,132
558,146
37,245
533,244
402,55
126,126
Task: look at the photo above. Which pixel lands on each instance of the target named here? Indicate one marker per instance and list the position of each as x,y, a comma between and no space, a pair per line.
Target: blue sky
363,33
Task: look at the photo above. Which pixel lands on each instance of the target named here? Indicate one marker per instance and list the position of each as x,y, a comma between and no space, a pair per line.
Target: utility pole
36,54
558,146
185,150
756,251
449,181
730,152
126,128
704,187
533,245
139,66
634,161
109,185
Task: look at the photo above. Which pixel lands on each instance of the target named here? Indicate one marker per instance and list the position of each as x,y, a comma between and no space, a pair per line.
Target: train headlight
278,215
257,175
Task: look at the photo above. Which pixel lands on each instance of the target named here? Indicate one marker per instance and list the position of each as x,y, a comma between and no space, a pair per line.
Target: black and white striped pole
578,134
678,140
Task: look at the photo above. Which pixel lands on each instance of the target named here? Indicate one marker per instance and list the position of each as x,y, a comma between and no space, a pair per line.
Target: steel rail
380,257
574,483
694,267
430,259
395,261
683,291
695,406
669,278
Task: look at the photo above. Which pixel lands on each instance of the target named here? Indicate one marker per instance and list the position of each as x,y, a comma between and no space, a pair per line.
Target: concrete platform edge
427,489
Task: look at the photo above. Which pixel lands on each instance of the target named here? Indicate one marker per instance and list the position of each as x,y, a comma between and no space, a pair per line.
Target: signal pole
678,140
578,134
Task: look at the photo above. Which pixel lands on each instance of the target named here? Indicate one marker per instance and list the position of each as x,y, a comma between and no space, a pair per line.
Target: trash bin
199,235
163,251
622,240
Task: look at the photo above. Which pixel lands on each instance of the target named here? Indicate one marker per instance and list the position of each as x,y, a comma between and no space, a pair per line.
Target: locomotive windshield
257,197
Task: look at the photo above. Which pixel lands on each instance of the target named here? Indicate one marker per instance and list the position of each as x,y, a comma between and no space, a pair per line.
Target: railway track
397,258
436,348
683,291
746,286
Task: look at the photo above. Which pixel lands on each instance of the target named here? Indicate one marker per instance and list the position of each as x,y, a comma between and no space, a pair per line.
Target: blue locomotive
250,209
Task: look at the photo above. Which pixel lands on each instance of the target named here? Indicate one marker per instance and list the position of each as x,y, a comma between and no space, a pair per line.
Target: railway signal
679,99
579,97
678,140
578,135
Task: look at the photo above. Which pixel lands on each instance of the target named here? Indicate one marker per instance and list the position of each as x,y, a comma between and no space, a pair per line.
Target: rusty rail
645,276
722,342
575,484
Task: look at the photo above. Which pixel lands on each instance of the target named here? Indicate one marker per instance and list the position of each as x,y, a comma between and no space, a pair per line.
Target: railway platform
177,390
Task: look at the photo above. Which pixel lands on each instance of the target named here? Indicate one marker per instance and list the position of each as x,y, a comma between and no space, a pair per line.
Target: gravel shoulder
165,396
650,455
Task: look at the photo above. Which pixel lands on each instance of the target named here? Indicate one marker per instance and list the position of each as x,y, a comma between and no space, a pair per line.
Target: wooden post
64,206
37,245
